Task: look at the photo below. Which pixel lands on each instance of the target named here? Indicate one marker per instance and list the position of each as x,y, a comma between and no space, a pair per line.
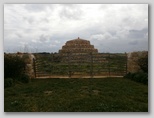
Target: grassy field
77,95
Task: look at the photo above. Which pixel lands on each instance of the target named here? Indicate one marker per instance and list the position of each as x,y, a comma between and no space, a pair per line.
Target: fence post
69,71
126,61
109,64
34,67
91,64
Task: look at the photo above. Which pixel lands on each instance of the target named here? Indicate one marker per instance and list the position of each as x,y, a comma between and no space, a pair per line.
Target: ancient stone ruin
78,46
77,50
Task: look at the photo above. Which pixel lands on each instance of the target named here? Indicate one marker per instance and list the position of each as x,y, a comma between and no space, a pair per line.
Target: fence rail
80,65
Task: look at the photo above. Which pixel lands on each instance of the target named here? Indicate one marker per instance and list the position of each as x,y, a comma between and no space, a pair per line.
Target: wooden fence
80,65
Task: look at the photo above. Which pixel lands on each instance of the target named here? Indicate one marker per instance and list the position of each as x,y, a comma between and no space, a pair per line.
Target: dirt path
47,77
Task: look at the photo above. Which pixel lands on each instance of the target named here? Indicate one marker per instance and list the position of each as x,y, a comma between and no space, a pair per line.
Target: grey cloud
111,41
30,20
45,20
102,37
44,31
127,20
133,42
29,30
94,29
37,7
46,44
35,21
19,35
71,12
69,5
43,38
138,34
105,7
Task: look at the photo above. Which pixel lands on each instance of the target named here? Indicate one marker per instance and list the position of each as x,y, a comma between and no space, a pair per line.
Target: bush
143,63
14,66
24,78
138,77
8,82
144,78
129,75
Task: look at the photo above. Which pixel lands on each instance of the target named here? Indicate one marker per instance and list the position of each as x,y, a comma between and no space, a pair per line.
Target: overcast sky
46,27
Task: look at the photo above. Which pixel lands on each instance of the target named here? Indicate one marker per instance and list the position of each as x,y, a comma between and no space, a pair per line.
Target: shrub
24,78
129,75
8,82
138,77
143,63
144,78
14,66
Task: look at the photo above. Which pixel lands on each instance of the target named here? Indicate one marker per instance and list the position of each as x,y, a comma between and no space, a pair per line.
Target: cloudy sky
46,27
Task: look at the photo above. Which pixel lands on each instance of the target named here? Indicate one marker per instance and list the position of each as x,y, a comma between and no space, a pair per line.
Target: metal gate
80,65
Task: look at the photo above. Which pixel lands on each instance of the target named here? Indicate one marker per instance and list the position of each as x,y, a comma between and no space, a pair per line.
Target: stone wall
29,63
132,60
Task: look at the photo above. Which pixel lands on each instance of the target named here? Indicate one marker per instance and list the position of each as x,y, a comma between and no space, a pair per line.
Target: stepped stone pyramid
78,46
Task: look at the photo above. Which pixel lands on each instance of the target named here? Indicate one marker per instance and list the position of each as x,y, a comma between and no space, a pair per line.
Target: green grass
77,95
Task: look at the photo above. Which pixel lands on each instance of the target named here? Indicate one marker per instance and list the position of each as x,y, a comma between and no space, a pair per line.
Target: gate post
69,71
34,67
109,64
126,61
91,69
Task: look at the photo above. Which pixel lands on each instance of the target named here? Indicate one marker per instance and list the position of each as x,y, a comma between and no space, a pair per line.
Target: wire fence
78,65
